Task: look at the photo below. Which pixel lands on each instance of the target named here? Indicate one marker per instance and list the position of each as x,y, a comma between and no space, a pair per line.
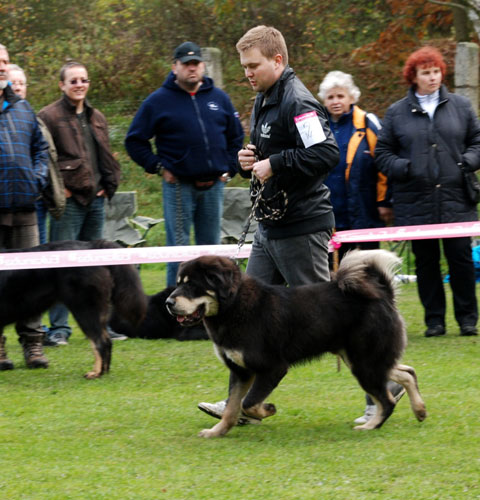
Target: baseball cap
187,51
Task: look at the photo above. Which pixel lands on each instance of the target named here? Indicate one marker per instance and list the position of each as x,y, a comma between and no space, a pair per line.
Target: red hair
424,57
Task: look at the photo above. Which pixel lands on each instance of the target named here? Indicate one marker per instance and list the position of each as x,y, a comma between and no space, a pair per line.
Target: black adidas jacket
297,184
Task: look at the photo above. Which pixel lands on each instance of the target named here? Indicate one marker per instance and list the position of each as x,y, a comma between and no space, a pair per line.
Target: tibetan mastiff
259,330
158,323
88,292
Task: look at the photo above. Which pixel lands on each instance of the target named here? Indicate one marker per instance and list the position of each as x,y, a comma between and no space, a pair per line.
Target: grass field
133,433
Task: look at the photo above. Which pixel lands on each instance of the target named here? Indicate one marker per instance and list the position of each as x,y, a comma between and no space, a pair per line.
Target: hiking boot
5,363
216,410
33,350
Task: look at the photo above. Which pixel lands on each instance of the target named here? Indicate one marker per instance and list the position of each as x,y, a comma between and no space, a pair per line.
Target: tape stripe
108,256
149,255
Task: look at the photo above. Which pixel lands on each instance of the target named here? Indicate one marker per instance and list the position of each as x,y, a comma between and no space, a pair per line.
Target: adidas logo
265,130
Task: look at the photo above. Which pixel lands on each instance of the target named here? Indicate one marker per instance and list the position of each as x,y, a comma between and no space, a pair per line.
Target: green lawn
133,433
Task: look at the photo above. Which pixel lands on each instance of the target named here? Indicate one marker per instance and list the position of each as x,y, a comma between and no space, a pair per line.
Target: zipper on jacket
204,131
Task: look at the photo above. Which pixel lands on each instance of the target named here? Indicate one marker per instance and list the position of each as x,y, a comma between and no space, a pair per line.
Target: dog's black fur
88,292
260,331
158,323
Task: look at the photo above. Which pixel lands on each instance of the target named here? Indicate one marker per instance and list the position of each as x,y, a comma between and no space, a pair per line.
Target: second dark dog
88,292
158,323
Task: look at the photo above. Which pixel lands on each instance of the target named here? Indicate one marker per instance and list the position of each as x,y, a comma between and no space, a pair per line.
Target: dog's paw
269,409
421,413
209,433
362,428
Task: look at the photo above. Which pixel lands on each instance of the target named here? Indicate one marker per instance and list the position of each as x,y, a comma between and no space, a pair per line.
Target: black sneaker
115,336
54,340
435,331
468,330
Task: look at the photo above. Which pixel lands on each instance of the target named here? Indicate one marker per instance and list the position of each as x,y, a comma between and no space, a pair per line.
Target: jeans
185,206
78,222
42,212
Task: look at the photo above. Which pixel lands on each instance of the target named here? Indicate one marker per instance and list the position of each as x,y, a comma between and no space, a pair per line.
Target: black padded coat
420,157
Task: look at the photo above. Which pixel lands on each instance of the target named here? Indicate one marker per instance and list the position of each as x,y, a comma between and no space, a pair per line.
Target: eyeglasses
74,81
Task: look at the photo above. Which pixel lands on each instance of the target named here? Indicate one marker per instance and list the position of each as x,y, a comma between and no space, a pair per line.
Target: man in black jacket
290,154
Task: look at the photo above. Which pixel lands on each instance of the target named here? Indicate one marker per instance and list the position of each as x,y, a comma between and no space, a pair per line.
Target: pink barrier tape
149,255
425,232
103,257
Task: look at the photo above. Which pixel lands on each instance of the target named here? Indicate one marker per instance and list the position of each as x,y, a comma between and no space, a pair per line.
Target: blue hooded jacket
197,137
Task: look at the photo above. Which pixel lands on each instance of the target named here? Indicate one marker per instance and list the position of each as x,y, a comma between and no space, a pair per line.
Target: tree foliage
127,46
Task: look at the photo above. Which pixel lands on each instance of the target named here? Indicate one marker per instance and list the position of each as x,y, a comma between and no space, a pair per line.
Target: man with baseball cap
197,135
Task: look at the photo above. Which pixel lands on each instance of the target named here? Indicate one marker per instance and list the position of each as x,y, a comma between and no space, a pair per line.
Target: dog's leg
385,404
405,375
253,404
238,389
102,351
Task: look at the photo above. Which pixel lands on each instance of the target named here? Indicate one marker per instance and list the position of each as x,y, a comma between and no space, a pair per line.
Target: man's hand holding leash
249,161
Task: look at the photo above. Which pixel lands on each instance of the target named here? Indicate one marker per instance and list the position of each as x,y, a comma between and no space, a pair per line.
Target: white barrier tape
149,255
113,256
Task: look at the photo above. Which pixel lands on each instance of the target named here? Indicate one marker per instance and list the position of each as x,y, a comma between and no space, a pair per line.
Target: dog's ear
225,280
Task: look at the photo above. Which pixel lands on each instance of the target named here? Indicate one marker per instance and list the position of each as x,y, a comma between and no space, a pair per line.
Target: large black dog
158,323
260,331
88,292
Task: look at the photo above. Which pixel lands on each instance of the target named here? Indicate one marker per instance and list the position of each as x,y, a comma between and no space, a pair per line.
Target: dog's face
204,286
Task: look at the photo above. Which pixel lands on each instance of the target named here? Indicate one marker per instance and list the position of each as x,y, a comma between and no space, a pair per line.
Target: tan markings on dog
231,413
235,356
261,410
218,352
186,306
405,375
97,365
182,279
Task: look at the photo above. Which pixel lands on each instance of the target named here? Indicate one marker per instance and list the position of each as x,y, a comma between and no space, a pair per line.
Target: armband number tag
310,128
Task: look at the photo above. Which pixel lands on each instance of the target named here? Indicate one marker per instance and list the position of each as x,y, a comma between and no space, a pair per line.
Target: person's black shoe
435,331
468,330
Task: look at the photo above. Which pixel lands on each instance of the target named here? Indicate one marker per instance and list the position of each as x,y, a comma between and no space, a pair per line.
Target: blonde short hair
267,39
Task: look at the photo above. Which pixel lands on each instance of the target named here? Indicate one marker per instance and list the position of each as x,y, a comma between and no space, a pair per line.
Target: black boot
5,363
32,344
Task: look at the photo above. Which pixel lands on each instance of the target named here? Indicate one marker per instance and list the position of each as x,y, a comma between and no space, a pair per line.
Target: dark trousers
458,252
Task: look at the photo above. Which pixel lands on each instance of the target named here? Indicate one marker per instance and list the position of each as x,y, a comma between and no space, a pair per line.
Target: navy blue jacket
197,137
23,155
354,200
420,157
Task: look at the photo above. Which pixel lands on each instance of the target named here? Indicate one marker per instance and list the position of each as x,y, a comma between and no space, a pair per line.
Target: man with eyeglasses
90,171
23,175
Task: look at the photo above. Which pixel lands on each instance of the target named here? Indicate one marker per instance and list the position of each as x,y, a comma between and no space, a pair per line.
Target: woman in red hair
427,138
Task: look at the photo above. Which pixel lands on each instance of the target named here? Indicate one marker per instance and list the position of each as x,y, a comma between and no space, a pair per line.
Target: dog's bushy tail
368,272
128,297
